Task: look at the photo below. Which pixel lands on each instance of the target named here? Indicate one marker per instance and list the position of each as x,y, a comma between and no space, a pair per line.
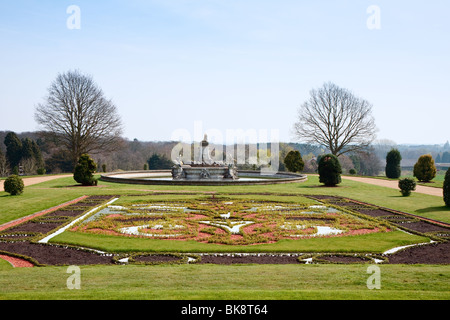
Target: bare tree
4,168
78,116
336,119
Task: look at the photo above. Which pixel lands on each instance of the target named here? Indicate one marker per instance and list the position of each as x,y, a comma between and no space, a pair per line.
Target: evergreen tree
329,170
356,162
293,161
447,188
37,155
424,169
32,160
84,171
393,169
157,162
27,149
438,158
13,149
445,157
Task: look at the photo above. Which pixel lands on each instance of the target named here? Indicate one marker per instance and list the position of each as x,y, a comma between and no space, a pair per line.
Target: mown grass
219,282
51,193
437,182
376,243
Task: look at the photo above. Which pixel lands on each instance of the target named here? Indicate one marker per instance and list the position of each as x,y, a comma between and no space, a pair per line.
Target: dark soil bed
85,204
54,255
423,226
262,259
376,212
343,259
435,253
34,227
156,258
66,213
438,253
345,204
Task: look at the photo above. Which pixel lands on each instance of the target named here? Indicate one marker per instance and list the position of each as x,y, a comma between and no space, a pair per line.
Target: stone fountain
206,169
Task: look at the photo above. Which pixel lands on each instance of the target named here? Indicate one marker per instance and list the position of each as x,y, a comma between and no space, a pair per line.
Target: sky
196,66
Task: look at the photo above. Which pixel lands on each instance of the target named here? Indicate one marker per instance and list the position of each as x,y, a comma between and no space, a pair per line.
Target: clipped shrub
41,171
447,188
352,171
329,170
104,167
406,185
393,169
424,169
14,185
294,162
84,171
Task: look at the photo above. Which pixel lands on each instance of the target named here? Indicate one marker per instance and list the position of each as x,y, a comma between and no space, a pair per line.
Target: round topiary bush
84,171
424,169
329,170
294,162
393,169
447,188
406,185
14,185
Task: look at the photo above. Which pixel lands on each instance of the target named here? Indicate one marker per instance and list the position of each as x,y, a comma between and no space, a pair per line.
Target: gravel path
38,179
379,182
394,185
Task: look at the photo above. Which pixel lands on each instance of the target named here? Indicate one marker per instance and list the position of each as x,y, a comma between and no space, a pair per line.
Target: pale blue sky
232,64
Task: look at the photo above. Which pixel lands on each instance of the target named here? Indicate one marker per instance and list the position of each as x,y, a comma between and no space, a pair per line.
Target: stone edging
283,177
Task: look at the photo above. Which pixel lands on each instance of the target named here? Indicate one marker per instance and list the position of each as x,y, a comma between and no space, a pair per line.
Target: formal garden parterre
223,229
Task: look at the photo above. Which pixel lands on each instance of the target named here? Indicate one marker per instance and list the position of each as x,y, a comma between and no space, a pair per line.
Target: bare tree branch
336,119
78,116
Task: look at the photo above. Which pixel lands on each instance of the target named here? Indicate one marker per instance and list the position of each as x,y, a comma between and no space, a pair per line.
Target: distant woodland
139,155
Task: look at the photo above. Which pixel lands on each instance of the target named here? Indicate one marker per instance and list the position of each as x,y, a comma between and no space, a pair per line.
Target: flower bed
226,222
267,217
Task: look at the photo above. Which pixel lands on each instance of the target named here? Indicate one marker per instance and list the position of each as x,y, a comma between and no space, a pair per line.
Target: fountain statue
207,169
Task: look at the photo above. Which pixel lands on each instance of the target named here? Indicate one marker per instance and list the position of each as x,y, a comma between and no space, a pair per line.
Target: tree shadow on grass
324,186
433,209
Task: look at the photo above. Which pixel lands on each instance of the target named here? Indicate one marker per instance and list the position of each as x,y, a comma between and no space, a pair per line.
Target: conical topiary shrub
424,169
406,186
14,185
293,161
84,171
447,188
393,169
329,170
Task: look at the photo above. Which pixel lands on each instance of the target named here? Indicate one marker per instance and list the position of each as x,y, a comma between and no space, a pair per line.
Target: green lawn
177,282
437,182
218,282
52,193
